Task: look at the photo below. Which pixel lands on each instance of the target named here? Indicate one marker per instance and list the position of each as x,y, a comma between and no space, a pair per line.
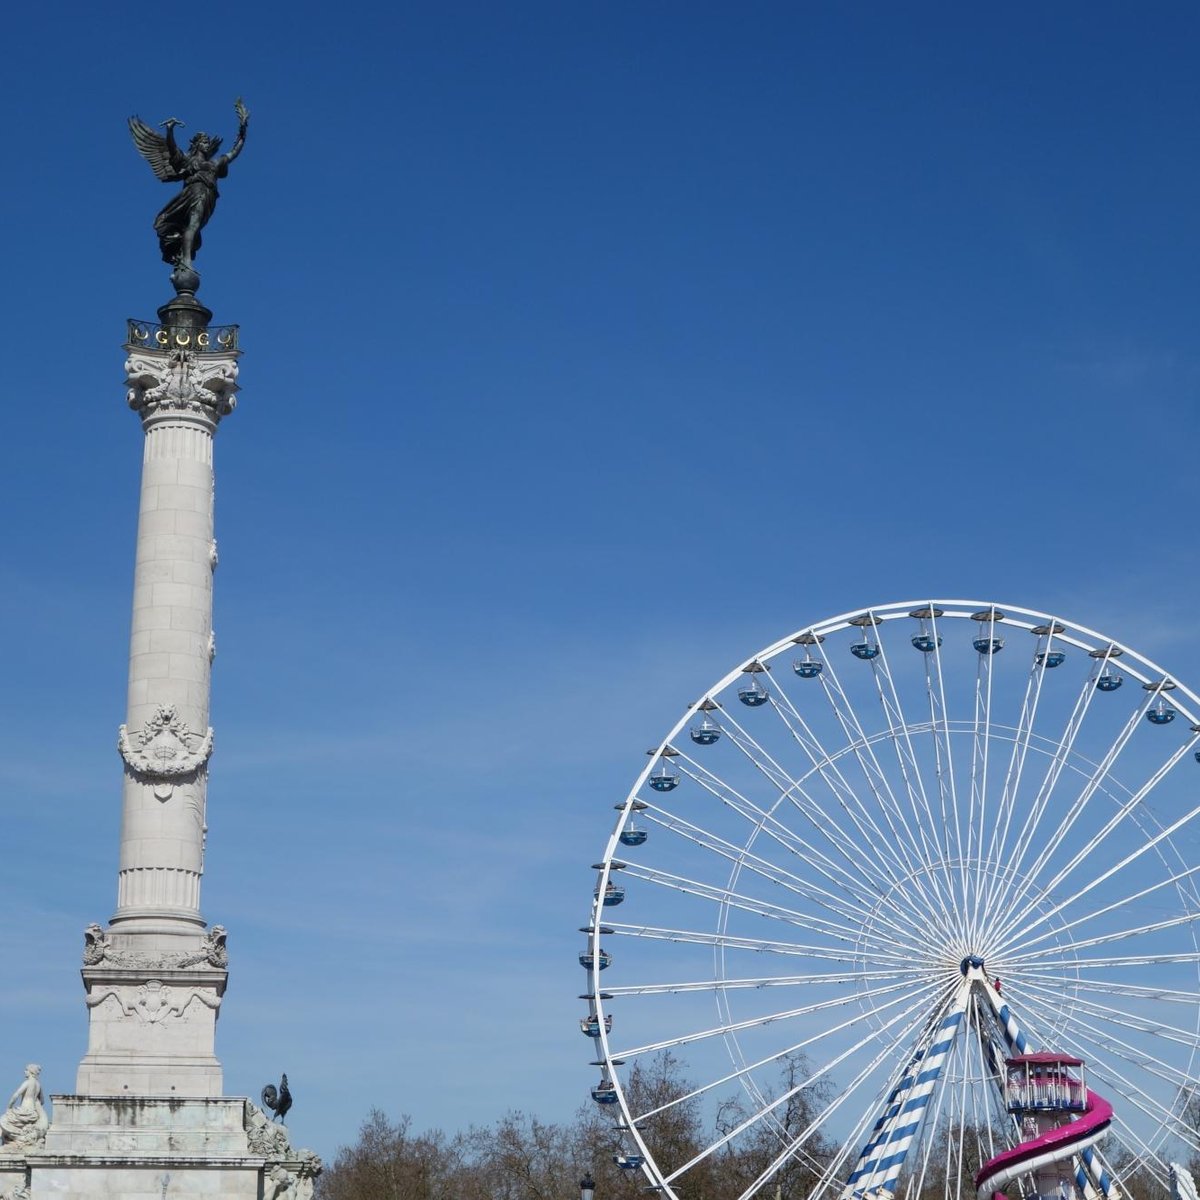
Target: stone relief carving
181,380
282,1184
20,1192
293,1181
212,645
263,1136
164,749
153,1002
292,1185
213,557
98,948
24,1123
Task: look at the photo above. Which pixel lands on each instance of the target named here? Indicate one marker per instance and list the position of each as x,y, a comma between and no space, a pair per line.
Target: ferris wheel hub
971,962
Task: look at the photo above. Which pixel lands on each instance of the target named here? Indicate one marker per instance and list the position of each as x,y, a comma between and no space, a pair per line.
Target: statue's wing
154,149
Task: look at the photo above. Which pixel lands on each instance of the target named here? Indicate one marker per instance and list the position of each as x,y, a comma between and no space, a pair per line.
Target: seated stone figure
24,1123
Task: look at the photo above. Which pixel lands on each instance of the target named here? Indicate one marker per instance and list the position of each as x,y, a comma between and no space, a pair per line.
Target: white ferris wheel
878,860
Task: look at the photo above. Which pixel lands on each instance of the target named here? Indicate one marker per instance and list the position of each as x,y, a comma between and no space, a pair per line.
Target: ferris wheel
873,863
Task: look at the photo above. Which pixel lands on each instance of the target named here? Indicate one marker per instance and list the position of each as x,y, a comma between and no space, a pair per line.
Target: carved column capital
181,383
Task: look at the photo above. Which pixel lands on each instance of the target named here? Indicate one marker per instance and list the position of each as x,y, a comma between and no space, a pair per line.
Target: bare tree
524,1158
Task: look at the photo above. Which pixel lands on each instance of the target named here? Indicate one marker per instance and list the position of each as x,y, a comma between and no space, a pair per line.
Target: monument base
151,1148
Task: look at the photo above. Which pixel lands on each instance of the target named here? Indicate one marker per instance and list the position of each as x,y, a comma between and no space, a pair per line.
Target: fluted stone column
156,976
166,739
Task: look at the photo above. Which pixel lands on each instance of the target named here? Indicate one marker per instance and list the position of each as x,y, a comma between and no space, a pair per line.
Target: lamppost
587,1186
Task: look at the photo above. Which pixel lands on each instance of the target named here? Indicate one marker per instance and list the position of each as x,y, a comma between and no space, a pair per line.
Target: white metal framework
858,860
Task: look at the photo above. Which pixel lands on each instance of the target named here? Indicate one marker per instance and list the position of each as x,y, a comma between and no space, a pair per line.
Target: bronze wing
154,149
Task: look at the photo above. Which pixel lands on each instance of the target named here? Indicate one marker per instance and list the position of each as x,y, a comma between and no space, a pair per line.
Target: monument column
182,379
149,1116
156,965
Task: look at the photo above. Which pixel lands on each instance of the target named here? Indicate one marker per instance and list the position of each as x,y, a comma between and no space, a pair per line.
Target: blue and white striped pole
879,1164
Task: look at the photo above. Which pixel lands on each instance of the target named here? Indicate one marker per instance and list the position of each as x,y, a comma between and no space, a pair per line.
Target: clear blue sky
587,348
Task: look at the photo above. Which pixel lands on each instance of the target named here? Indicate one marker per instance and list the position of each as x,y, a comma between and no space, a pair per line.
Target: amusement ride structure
889,896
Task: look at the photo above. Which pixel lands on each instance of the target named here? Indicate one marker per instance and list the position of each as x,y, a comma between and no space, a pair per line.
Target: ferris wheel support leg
878,1166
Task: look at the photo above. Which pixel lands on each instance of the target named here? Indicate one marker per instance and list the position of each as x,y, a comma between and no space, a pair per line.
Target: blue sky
587,349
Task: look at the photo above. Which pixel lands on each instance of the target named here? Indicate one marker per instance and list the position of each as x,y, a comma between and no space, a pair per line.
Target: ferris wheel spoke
919,1001
1010,950
1154,1030
1135,855
980,746
726,896
1157,1029
1008,789
932,848
1128,960
849,978
699,937
1105,938
895,910
970,1118
1133,991
1074,813
818,1074
1040,805
926,840
998,843
841,907
860,865
770,1018
1142,1159
899,837
846,799
939,716
868,830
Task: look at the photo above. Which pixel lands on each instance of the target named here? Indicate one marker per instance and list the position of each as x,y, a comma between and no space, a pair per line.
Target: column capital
181,375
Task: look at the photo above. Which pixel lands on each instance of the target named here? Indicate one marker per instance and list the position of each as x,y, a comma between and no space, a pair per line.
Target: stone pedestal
151,1031
140,1148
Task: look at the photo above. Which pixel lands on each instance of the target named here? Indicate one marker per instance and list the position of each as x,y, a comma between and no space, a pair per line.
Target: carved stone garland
98,948
164,750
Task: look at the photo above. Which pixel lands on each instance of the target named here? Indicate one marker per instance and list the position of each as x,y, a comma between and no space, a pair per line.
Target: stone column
155,977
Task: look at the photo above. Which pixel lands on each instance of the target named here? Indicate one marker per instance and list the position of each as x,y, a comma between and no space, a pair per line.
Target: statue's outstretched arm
243,123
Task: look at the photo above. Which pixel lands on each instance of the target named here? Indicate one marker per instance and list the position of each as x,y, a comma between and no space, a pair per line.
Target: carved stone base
14,1179
152,1030
138,1148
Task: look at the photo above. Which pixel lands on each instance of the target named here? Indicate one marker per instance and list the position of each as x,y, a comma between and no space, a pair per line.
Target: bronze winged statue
198,168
